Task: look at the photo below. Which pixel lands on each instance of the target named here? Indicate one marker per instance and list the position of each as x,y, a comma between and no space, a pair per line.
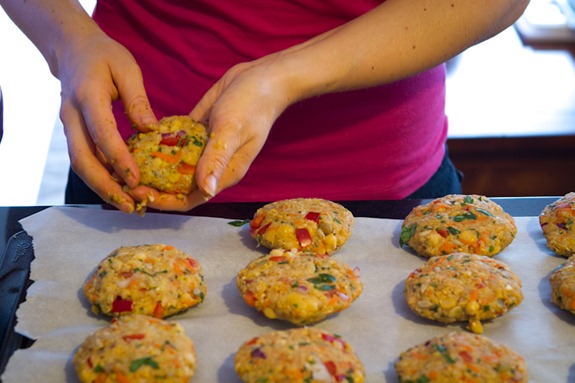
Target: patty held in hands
168,154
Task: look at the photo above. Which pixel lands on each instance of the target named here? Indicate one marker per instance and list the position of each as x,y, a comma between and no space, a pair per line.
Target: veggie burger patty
298,356
136,348
168,154
301,288
461,357
307,224
458,223
557,221
463,287
157,280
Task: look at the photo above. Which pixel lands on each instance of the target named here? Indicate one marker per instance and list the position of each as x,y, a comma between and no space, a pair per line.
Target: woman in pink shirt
337,99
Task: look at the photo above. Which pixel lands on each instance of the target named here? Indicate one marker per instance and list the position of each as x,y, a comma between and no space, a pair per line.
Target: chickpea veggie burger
168,154
458,223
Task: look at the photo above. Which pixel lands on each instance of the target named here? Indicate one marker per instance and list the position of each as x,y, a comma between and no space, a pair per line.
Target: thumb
226,159
212,165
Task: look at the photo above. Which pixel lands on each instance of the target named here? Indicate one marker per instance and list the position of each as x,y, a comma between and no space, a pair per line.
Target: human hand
239,111
92,76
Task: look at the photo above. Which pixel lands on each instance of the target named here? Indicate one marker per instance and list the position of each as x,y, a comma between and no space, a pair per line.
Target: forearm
52,25
393,41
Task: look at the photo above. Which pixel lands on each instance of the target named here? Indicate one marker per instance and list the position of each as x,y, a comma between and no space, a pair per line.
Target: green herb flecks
407,232
467,200
197,141
239,223
147,361
441,349
99,369
483,211
323,282
462,217
453,230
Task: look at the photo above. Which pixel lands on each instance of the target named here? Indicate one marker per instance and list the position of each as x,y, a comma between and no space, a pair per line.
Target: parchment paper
69,242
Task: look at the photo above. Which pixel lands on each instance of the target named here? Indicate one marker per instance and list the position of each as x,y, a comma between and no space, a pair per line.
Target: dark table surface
17,251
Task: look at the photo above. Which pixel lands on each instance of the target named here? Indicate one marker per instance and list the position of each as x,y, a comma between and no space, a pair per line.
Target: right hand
92,76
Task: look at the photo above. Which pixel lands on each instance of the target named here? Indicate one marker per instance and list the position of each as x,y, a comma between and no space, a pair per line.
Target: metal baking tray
14,281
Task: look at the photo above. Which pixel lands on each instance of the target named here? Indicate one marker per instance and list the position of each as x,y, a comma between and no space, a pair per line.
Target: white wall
31,104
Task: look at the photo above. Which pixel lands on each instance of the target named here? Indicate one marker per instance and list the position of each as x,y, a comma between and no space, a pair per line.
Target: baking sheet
69,242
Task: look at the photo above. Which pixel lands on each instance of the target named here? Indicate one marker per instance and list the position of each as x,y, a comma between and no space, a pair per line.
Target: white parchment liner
69,242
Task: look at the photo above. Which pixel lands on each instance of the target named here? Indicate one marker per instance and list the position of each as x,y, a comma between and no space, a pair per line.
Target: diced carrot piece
170,158
177,268
262,230
250,298
187,169
158,310
133,337
448,247
121,377
474,295
257,221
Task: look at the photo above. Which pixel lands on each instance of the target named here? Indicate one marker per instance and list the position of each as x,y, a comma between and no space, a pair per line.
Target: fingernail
127,208
148,120
211,186
130,179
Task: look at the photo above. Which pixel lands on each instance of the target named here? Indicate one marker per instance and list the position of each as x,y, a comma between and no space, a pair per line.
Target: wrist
308,72
76,28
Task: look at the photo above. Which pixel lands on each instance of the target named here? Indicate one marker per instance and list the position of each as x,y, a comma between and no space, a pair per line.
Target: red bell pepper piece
169,140
121,305
174,139
443,232
303,237
252,341
467,358
331,338
331,367
186,169
262,230
130,337
312,216
192,262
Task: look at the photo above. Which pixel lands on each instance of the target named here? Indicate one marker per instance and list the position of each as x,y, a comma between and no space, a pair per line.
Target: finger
164,201
101,124
136,103
84,162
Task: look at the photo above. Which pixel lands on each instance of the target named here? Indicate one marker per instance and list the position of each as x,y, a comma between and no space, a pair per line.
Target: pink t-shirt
378,143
